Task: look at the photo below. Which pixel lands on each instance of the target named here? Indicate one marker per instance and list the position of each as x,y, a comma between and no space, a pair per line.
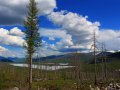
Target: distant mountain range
115,55
110,57
3,59
67,58
11,59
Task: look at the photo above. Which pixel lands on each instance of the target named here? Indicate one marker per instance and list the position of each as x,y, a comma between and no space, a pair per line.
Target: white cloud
51,38
65,39
2,49
77,26
111,38
48,52
65,44
73,35
8,39
46,6
17,32
53,47
13,12
81,30
10,53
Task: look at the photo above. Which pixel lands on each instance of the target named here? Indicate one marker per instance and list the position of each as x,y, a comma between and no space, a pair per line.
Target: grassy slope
14,76
70,58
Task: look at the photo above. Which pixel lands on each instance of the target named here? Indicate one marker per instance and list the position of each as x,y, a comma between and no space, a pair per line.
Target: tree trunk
30,73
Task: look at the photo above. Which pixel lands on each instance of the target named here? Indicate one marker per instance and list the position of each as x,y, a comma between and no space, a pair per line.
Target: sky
65,26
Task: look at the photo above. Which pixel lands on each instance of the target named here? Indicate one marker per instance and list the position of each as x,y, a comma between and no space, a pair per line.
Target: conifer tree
32,37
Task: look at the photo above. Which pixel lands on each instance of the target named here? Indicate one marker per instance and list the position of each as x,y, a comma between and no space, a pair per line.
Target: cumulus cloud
51,38
81,30
65,39
111,38
13,12
43,51
10,53
65,42
79,27
70,39
63,45
2,49
17,32
7,37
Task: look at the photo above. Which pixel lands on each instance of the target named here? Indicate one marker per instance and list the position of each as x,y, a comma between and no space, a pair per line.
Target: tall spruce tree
32,38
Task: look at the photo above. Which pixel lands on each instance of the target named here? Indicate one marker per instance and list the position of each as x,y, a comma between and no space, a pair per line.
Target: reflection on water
43,67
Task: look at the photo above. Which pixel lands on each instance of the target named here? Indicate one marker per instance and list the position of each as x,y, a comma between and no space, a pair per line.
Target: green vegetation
64,79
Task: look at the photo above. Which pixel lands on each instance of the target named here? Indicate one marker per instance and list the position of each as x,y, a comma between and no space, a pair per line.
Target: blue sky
59,33
105,11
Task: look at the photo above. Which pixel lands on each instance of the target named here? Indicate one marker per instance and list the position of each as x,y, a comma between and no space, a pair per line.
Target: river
43,67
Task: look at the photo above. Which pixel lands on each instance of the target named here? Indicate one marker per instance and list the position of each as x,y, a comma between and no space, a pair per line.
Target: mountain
67,58
6,60
104,54
115,55
19,60
110,57
47,58
3,59
10,59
